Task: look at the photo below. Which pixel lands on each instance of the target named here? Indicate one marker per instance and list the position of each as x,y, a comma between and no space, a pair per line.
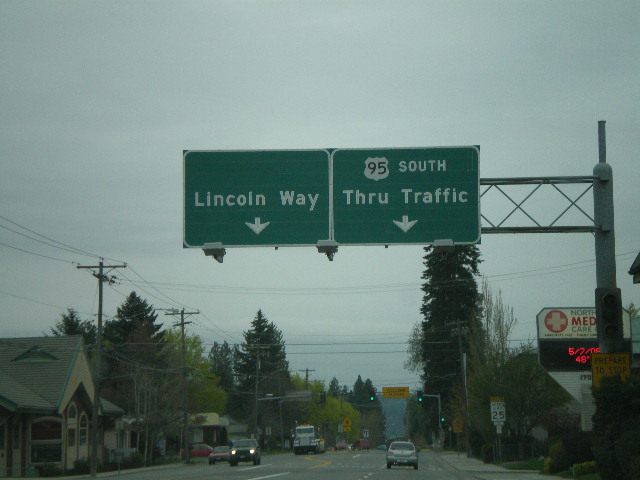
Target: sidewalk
487,471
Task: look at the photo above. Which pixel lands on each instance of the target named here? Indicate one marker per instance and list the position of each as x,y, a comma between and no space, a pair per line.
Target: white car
402,453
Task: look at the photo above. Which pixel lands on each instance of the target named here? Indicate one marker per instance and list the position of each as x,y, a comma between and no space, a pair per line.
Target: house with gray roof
46,404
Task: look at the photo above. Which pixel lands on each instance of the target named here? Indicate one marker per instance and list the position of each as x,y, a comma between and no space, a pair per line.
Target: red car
200,450
219,454
364,444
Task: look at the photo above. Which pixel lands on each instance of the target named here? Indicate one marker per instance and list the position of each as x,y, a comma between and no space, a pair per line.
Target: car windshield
401,446
244,443
304,430
221,449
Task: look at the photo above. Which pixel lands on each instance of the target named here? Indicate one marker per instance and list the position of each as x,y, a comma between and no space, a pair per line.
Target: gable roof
35,370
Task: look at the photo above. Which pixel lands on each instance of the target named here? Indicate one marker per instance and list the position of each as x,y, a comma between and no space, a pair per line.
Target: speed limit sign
498,410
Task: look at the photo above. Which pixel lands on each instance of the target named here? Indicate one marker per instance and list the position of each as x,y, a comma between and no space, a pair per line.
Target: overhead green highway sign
406,196
256,198
331,197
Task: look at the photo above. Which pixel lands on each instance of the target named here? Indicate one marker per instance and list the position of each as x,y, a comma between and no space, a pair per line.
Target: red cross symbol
556,321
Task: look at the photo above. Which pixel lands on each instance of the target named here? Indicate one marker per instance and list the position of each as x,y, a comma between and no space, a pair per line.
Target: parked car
381,447
245,450
341,445
219,454
199,450
402,453
364,444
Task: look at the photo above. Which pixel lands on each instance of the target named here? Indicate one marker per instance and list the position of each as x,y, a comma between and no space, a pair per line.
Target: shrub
487,453
585,468
577,445
81,466
559,458
627,450
49,470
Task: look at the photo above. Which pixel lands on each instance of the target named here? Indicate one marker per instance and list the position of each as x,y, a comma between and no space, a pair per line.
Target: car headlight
233,452
252,451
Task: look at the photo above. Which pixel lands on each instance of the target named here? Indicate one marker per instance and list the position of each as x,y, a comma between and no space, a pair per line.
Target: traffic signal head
372,398
420,396
609,316
323,398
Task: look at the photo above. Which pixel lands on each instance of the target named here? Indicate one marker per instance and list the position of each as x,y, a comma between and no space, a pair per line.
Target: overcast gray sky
99,99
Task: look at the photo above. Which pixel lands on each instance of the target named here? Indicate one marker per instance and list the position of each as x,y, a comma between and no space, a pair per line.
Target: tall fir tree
135,347
261,363
222,359
71,324
451,309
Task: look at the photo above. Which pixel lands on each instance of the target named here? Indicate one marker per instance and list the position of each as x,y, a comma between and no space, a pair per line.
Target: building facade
46,405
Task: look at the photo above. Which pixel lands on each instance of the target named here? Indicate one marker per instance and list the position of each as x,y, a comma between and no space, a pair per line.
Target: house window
71,437
72,411
46,441
84,430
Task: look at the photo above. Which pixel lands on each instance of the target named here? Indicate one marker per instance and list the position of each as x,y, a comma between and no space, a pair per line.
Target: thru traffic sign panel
406,195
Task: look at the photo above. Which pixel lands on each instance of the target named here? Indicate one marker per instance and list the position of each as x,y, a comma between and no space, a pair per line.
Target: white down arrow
257,227
405,225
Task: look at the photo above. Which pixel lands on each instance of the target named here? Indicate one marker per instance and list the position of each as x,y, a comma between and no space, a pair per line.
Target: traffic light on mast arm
609,319
420,396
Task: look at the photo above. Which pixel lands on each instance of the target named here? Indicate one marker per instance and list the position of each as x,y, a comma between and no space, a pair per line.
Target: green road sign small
256,198
406,195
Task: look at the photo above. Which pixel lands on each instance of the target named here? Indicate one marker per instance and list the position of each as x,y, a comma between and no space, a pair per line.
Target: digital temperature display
573,355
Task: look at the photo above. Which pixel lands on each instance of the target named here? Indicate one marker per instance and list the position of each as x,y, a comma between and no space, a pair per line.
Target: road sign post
406,196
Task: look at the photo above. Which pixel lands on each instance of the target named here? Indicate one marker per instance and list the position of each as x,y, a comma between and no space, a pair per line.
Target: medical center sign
568,323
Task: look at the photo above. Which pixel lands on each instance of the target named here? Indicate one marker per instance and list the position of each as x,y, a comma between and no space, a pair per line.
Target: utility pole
185,406
463,371
306,377
100,275
257,373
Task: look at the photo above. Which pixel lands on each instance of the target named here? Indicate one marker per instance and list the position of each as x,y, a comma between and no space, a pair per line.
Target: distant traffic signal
609,317
372,398
323,398
420,396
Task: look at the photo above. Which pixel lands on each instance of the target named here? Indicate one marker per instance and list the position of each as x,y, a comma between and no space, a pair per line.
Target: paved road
368,465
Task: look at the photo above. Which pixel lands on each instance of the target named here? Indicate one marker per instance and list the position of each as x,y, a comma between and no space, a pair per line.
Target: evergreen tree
451,308
135,344
261,363
334,388
222,359
71,324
